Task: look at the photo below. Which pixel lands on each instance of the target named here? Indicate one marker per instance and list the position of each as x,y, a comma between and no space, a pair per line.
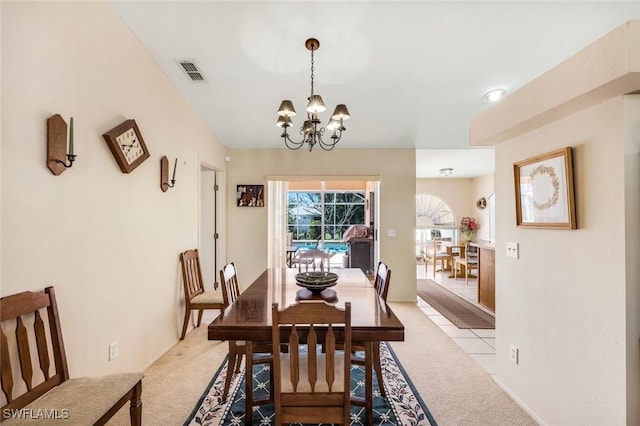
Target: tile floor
479,344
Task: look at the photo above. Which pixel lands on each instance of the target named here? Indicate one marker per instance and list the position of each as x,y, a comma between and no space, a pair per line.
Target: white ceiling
412,73
466,163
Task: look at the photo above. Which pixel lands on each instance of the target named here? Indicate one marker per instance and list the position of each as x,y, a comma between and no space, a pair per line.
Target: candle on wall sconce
71,137
57,154
164,174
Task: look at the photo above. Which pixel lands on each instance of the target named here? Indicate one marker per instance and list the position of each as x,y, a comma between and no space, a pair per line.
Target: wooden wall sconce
57,154
164,174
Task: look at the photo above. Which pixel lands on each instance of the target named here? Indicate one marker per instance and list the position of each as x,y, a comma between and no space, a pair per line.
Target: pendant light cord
312,49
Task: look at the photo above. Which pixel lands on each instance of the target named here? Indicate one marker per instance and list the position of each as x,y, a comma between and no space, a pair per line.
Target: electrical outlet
514,352
113,350
391,232
512,250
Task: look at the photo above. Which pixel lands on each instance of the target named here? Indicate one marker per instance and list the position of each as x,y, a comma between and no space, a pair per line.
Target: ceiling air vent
192,71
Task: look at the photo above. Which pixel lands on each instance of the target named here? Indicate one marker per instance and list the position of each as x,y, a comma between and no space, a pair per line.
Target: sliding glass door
312,213
320,217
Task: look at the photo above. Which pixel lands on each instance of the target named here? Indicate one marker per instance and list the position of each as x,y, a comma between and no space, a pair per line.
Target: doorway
325,214
436,221
209,236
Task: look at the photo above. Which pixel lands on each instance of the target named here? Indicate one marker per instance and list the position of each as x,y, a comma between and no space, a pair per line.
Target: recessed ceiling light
494,95
446,172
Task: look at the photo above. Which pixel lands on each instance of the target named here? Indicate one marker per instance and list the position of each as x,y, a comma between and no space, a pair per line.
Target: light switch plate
512,250
514,354
391,232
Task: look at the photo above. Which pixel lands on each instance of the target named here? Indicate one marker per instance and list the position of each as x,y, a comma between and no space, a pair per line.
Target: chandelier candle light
311,131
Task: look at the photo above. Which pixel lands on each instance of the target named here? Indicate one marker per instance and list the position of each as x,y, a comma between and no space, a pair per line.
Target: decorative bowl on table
316,281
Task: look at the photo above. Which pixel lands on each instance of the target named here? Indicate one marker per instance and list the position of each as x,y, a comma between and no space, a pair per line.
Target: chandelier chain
312,72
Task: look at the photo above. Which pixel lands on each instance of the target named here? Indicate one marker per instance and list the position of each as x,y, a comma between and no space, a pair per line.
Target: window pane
309,197
349,213
340,230
309,210
350,197
296,233
329,232
292,197
312,232
329,214
291,214
357,197
329,197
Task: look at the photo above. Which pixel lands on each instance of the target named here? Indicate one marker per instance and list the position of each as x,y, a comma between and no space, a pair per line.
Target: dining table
249,317
454,250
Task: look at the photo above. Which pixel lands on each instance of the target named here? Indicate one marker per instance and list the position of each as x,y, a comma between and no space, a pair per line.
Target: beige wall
247,227
562,302
456,193
482,187
461,196
108,241
570,302
632,248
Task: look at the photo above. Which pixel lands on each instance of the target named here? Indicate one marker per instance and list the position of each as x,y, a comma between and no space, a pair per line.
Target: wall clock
127,146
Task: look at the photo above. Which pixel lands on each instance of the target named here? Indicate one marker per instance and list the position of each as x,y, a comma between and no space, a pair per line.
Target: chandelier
311,130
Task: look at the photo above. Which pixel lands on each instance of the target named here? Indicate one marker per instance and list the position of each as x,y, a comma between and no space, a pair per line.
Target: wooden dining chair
195,296
381,284
35,376
312,386
262,352
435,253
468,262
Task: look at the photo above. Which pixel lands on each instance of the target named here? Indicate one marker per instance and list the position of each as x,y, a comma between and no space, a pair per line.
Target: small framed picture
544,191
250,196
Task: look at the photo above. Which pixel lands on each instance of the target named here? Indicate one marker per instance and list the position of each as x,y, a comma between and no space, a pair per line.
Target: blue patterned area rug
402,406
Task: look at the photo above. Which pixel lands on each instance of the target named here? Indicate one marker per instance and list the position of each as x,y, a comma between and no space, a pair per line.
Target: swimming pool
334,246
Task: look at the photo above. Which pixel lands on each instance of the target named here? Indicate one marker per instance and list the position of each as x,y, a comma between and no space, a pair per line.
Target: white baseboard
518,401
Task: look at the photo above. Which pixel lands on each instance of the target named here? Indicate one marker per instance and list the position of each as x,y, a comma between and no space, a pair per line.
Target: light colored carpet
456,389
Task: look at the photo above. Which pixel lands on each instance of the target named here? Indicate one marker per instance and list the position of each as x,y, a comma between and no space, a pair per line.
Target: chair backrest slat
330,351
471,252
294,345
312,367
24,353
230,286
41,342
7,376
382,280
191,274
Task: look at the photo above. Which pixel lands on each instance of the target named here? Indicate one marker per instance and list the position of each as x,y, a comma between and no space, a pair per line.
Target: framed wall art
544,191
250,196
